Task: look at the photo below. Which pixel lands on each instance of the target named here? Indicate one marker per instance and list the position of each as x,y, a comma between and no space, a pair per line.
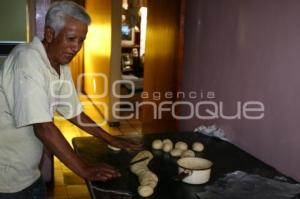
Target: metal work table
226,158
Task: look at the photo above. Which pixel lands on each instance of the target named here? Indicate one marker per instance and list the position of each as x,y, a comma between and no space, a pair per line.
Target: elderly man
35,81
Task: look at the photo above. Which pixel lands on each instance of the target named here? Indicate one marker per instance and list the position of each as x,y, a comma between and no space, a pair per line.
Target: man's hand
101,172
50,135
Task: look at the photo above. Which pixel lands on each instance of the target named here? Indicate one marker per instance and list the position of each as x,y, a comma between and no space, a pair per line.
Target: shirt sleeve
69,104
31,102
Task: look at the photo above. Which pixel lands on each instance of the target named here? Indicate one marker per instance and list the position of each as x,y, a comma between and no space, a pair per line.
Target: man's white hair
57,12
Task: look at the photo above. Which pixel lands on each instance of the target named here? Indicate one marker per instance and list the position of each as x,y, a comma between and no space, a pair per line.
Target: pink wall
245,50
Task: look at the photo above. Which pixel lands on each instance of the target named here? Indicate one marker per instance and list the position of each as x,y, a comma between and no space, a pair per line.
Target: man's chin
65,61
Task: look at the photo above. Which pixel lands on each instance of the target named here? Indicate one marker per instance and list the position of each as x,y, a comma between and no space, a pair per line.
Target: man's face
68,42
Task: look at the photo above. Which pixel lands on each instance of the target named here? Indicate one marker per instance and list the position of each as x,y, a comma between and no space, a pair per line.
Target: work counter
226,159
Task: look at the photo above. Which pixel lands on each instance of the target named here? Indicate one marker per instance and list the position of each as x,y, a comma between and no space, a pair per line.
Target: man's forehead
74,25
71,19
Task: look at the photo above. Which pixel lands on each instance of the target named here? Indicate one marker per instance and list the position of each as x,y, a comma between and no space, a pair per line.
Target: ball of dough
151,183
167,141
181,145
113,148
145,191
197,146
157,144
188,153
148,178
176,152
167,147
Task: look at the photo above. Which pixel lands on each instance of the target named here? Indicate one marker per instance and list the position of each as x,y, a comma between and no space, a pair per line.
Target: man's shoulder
23,57
26,51
33,48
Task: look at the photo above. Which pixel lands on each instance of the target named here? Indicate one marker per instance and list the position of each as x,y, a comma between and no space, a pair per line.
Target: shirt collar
36,43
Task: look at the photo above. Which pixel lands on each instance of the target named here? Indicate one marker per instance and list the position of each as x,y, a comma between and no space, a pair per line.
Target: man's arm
51,136
87,124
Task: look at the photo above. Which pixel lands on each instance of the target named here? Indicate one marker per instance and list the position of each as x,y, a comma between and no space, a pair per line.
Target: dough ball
197,146
176,152
167,147
157,144
181,145
148,178
167,141
113,148
151,183
145,191
188,153
151,176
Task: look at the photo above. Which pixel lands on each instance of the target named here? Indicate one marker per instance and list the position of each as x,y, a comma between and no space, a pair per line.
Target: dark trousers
35,191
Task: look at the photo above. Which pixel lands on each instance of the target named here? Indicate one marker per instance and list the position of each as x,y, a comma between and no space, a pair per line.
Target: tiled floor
67,184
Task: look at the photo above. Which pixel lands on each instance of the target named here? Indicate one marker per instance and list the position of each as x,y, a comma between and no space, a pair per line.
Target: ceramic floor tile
72,179
58,191
57,164
77,191
83,134
135,124
124,124
96,117
128,130
139,130
67,129
65,169
58,179
134,121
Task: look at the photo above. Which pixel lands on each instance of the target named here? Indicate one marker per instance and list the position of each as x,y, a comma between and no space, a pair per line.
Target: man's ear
49,34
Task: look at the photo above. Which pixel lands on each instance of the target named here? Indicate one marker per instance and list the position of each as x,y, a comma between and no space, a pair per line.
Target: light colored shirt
30,92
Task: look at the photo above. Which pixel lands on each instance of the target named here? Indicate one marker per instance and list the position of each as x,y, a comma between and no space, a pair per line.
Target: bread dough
145,191
157,144
139,170
181,145
113,148
137,167
148,180
188,153
167,147
197,146
167,140
176,152
143,154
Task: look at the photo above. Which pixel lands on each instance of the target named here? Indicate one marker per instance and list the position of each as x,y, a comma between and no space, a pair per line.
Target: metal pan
194,170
